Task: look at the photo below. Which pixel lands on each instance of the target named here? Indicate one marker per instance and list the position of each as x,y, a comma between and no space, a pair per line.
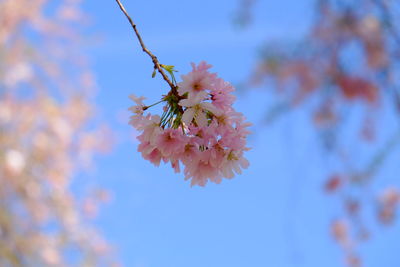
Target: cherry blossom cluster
199,128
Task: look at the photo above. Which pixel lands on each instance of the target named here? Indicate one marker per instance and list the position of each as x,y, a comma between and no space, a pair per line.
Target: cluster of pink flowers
199,129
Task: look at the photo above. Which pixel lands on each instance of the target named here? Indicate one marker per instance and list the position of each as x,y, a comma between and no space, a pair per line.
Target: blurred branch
388,22
388,19
157,65
243,16
379,158
6,252
275,112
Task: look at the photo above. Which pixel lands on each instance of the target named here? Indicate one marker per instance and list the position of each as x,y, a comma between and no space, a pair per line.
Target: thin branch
388,19
156,63
379,158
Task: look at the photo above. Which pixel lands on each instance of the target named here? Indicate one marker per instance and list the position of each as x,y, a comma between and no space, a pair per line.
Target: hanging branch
157,65
388,19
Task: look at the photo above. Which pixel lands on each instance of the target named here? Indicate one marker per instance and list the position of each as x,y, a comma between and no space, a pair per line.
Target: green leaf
169,68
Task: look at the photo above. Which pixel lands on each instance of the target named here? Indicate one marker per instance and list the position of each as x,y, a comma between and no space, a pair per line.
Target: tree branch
390,27
156,63
388,19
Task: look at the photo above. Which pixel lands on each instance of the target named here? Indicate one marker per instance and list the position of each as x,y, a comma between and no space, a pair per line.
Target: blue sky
273,215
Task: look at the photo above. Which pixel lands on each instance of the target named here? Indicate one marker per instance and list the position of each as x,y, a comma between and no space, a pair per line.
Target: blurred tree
47,134
349,61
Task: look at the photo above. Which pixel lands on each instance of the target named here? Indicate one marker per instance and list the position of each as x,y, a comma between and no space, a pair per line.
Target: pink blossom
150,152
190,152
198,80
233,164
202,169
150,127
197,110
170,142
137,110
198,129
221,94
137,100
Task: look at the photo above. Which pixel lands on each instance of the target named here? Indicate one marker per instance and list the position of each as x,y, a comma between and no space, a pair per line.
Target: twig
379,158
388,20
156,63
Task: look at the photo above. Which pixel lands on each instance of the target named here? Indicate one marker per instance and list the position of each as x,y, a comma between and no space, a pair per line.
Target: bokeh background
321,189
